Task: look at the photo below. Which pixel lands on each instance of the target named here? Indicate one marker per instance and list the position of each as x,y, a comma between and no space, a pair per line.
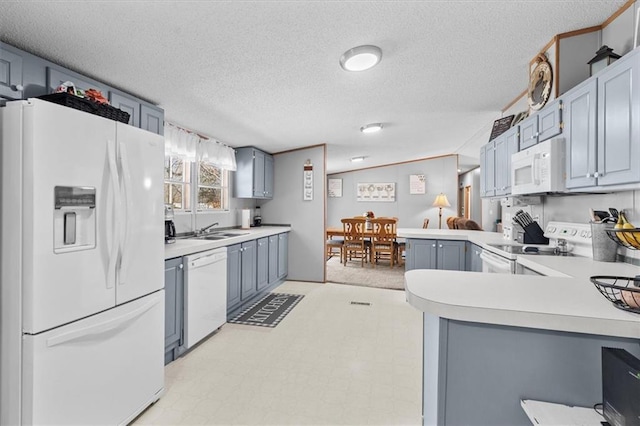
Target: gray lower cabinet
474,262
435,254
273,259
254,175
11,84
174,308
234,275
262,263
254,268
283,255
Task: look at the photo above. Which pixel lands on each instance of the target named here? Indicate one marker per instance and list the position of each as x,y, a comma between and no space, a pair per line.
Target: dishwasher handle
199,262
495,261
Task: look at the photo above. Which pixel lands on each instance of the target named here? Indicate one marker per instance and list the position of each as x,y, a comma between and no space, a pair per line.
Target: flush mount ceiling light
361,58
356,159
371,128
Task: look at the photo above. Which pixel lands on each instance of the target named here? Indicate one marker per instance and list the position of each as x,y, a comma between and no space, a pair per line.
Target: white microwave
539,169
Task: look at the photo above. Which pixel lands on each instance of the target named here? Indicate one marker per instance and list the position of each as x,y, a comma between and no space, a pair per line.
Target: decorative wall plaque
540,83
500,126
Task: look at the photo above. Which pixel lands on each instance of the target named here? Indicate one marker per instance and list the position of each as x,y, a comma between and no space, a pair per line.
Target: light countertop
568,303
183,247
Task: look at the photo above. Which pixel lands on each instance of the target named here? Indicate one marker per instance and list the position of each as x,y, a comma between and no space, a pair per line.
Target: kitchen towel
246,216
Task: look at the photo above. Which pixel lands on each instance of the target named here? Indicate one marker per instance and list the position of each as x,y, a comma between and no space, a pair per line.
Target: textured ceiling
266,73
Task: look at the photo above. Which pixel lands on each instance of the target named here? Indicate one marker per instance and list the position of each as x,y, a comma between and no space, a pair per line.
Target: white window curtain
191,147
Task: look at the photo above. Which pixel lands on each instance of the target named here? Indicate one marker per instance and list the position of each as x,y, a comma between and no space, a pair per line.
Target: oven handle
496,262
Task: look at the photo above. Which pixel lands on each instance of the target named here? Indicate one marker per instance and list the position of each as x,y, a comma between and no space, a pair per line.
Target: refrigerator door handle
102,327
126,210
115,246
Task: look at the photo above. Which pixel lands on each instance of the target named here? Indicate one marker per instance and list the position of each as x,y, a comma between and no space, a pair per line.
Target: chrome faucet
206,229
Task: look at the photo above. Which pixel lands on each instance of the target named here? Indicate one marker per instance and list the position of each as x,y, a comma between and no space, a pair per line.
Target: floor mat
268,311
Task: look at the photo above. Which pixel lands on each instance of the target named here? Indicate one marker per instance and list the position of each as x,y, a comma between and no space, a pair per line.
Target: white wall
472,178
306,240
441,176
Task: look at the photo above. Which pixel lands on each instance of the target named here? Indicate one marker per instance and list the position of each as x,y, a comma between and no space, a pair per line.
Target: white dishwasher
205,294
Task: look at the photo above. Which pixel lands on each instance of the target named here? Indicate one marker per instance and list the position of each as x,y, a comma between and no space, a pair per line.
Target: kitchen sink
213,236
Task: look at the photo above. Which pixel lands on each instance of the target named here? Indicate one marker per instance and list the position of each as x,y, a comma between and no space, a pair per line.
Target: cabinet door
550,121
283,255
249,278
619,122
258,174
10,75
490,160
234,274
501,163
513,146
268,176
483,170
580,108
474,254
262,263
273,259
126,104
451,255
529,132
174,303
152,119
420,254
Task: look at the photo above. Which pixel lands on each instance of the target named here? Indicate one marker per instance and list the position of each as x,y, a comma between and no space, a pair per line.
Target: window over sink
189,184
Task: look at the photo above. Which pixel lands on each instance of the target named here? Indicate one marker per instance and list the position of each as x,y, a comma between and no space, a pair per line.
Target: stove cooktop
539,250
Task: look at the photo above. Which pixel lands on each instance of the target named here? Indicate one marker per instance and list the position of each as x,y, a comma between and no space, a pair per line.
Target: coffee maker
257,219
169,226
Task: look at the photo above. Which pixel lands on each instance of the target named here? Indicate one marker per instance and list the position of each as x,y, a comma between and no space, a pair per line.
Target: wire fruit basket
629,238
623,292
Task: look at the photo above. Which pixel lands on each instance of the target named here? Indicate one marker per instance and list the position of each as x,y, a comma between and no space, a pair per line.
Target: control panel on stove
578,235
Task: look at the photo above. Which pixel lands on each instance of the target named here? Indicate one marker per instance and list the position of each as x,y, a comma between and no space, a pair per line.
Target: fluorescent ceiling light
371,128
356,159
361,58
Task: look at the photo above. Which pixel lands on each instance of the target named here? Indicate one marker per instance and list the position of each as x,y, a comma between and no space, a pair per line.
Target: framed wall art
335,188
381,192
417,184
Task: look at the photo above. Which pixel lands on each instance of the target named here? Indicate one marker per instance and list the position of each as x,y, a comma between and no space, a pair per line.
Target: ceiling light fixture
361,58
356,159
371,128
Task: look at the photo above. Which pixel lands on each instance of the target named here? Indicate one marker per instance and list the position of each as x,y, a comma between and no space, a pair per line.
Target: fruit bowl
623,292
629,238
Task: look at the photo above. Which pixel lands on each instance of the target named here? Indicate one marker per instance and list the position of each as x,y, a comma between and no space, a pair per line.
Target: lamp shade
441,201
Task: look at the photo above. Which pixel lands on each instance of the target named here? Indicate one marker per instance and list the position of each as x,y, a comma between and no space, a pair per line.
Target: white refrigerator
82,252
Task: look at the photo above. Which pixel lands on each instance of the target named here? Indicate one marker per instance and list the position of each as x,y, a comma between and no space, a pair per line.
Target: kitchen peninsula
491,340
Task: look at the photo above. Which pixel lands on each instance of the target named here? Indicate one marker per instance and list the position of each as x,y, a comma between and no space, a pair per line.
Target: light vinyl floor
327,363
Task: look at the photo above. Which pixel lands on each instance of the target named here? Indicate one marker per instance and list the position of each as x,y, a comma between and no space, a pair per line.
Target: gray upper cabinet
506,145
10,74
580,107
550,120
529,132
541,126
254,175
488,169
152,119
126,104
619,122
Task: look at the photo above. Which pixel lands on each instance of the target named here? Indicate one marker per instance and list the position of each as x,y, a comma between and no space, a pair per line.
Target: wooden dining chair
355,243
384,240
425,223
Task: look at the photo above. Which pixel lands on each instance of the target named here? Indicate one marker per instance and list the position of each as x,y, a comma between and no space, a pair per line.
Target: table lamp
440,202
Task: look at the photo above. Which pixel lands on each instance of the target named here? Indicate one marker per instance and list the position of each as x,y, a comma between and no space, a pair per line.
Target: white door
65,147
102,370
141,164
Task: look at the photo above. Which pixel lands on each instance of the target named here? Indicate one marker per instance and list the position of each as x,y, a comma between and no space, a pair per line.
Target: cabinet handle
17,87
596,174
588,175
180,266
433,245
440,246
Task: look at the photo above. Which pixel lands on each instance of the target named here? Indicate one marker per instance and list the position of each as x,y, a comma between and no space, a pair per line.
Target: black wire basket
623,292
629,238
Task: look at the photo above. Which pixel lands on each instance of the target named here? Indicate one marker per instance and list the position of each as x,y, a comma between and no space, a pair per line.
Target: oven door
495,264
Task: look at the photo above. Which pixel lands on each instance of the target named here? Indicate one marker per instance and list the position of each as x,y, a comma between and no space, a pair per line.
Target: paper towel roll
246,218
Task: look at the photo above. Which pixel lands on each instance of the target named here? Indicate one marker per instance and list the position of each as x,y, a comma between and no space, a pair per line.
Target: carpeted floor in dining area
382,276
